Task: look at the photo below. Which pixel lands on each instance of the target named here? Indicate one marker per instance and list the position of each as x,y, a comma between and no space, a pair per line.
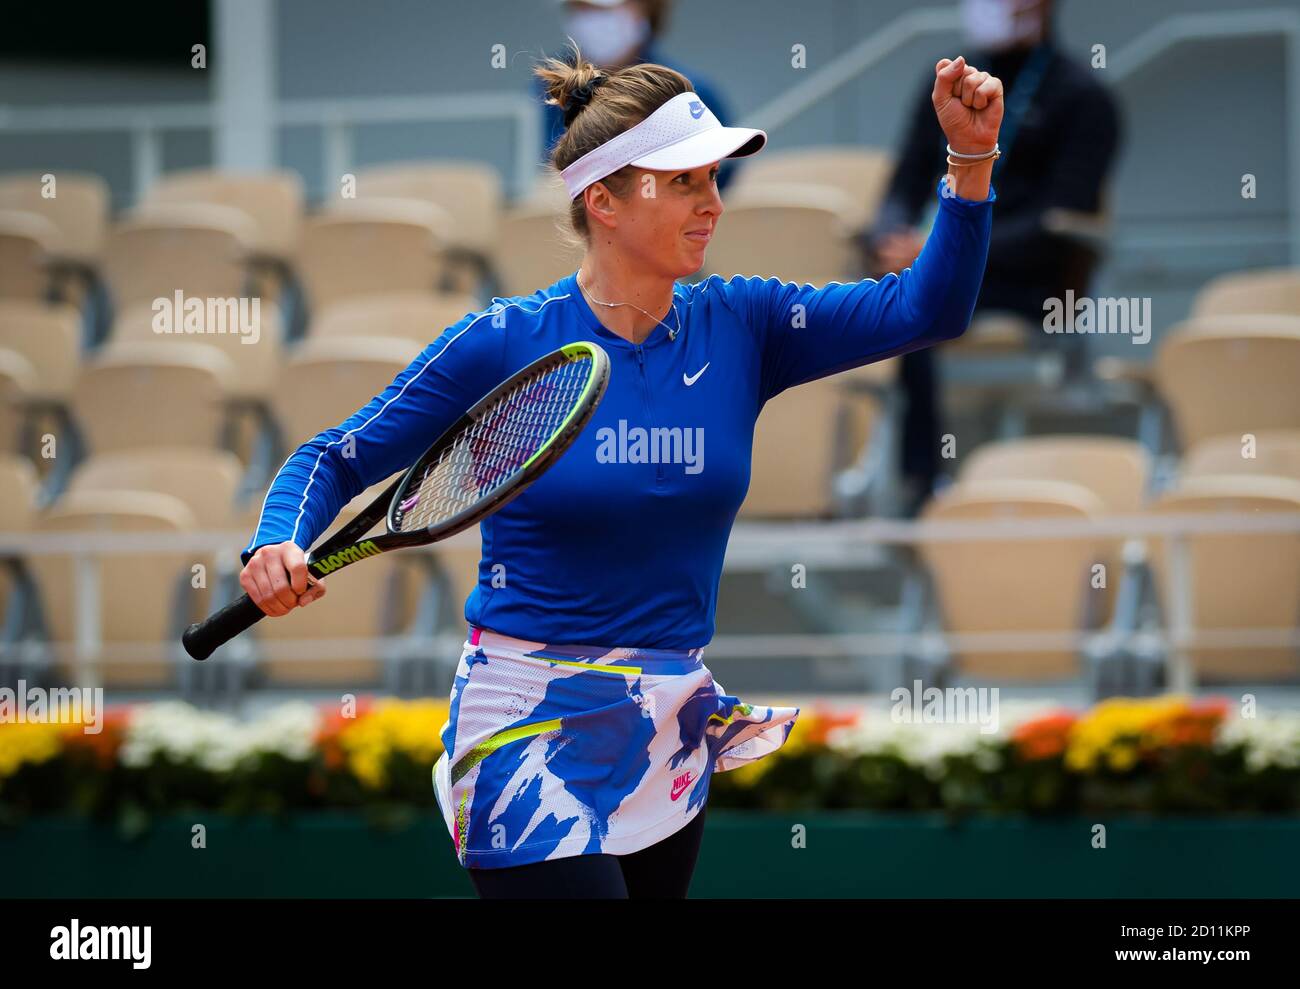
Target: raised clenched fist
968,103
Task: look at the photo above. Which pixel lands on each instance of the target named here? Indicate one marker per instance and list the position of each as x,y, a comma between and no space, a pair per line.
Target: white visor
681,134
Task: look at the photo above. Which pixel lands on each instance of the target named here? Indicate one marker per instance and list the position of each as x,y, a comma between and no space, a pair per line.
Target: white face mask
608,35
993,24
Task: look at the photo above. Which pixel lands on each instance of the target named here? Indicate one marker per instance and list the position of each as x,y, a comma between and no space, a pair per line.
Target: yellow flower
28,742
1116,729
391,726
1122,759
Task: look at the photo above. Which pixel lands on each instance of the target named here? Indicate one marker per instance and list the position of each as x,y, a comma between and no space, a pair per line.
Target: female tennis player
584,726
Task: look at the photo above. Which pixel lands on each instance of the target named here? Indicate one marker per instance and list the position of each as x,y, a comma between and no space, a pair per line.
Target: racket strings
493,449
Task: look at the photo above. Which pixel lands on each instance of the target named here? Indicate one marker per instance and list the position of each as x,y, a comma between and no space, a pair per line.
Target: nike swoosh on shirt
694,377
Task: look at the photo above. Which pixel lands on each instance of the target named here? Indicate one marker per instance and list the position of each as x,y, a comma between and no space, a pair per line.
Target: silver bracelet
980,157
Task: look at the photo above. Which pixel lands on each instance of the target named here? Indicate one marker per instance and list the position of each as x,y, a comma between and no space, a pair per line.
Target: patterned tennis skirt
553,751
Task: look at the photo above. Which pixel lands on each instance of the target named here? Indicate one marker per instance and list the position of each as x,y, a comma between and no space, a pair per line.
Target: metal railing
754,547
338,120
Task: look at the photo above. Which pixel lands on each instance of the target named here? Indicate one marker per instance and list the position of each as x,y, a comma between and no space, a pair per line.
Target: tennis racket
511,436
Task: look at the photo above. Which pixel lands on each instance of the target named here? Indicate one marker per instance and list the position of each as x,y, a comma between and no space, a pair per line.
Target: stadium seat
1238,580
470,193
256,365
419,316
804,436
861,174
28,244
78,209
49,337
273,202
372,245
18,507
18,486
136,591
151,393
992,332
247,429
203,479
1269,291
1019,585
17,386
881,374
798,234
533,250
1240,324
199,250
1275,453
1230,381
1115,470
547,192
39,358
326,380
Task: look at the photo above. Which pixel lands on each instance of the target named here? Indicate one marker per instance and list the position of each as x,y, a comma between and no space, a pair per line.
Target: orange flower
102,746
816,724
1123,731
1195,724
333,723
1045,737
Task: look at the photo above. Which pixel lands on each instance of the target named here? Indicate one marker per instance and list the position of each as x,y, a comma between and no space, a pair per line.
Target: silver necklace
672,333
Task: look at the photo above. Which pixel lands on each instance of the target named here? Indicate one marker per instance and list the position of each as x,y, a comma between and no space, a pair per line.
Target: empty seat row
146,599
218,234
1043,584
1221,376
1238,580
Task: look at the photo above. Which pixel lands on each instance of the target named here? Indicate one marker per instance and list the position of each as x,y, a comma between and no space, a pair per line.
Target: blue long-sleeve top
609,547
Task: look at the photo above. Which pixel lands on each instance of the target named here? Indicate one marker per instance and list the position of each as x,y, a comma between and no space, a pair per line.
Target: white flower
1269,739
217,742
175,730
288,730
922,745
928,742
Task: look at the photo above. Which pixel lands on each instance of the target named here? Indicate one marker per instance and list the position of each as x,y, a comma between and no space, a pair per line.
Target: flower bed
1163,755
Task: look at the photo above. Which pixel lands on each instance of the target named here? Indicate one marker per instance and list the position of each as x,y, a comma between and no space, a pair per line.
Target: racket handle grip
203,638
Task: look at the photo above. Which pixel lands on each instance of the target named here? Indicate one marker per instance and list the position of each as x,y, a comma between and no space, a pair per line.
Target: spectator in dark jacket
1059,141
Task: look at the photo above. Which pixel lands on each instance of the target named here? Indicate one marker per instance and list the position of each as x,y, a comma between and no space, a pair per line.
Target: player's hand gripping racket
499,447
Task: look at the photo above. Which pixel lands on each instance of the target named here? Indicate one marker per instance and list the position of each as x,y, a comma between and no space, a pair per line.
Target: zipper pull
640,358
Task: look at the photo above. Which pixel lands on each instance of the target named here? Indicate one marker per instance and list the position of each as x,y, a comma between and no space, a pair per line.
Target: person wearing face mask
1058,146
617,33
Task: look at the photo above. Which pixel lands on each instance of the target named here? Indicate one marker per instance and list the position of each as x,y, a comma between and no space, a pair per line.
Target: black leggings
662,872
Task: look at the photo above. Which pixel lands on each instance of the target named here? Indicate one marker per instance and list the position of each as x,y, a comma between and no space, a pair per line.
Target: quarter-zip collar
657,336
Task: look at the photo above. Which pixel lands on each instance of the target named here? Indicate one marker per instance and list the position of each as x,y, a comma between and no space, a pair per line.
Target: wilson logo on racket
350,555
